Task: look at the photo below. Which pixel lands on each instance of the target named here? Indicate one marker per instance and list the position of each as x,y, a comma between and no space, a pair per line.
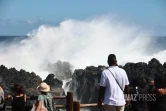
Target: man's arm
126,91
101,96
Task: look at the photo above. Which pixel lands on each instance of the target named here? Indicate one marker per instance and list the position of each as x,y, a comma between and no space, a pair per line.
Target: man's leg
109,108
120,108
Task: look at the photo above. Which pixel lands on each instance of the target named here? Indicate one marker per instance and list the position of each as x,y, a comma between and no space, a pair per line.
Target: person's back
114,95
18,103
139,103
113,83
18,100
160,103
139,95
47,101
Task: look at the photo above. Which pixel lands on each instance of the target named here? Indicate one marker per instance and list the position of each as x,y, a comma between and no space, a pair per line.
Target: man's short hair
112,59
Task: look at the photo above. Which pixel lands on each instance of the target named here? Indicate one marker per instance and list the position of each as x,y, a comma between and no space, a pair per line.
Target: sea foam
80,42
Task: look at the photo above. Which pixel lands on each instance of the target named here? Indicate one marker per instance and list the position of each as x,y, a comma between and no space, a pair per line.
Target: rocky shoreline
84,82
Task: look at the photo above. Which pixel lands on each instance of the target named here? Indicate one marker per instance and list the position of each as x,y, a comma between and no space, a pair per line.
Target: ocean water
158,43
82,43
11,39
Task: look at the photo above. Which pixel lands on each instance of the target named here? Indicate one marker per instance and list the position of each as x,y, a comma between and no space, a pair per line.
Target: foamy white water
82,43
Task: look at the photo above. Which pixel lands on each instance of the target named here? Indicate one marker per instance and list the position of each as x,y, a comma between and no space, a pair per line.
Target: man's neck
113,65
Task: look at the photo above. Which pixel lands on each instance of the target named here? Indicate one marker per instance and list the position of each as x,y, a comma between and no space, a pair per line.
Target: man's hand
10,98
151,83
99,104
127,102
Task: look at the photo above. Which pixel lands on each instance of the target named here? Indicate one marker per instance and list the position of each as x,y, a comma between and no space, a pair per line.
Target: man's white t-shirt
113,93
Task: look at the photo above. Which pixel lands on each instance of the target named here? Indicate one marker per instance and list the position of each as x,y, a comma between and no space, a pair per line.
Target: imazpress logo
140,97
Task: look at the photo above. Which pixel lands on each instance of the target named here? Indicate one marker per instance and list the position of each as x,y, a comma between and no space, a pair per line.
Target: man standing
113,84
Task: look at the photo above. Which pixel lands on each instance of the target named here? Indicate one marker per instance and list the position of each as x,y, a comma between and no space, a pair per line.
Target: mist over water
82,43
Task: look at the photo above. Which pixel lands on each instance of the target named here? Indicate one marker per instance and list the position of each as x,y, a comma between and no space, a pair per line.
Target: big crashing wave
81,43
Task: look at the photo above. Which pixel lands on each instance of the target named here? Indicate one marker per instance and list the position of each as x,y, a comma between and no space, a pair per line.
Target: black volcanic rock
164,65
85,82
85,85
56,87
30,81
11,76
53,82
154,63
